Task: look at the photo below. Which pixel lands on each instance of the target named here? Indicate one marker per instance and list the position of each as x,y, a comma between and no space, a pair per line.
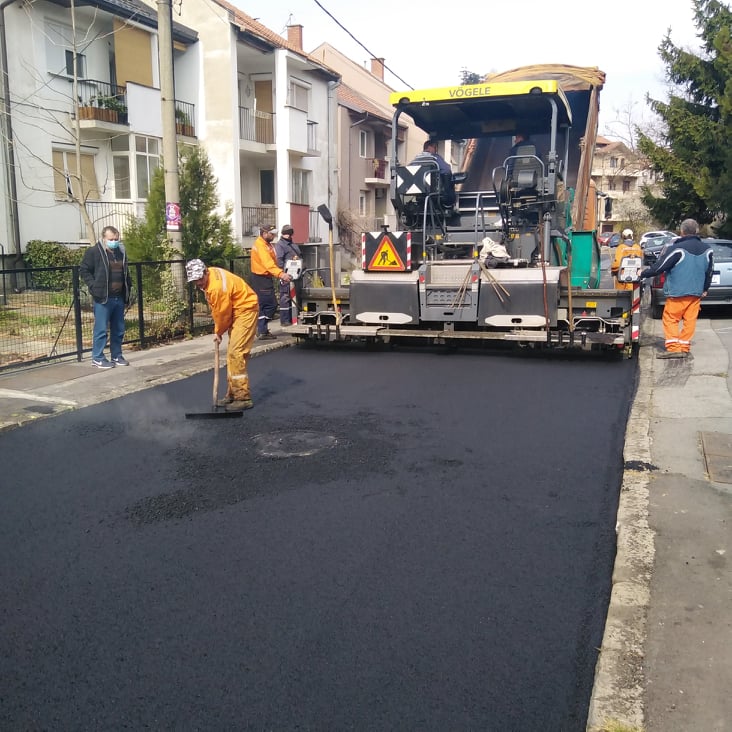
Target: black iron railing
47,313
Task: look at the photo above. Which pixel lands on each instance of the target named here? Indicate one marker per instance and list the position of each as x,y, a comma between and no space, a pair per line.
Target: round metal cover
292,444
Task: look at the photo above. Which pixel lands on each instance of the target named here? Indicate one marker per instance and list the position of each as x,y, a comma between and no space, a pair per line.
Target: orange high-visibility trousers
679,322
241,338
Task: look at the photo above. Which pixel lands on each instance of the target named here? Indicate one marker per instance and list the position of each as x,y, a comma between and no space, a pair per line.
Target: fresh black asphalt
390,540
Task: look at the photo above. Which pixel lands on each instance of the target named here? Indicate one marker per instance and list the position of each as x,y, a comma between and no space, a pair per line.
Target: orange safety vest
264,258
228,296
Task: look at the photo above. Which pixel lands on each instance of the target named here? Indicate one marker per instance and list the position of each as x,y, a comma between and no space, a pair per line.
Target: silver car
720,291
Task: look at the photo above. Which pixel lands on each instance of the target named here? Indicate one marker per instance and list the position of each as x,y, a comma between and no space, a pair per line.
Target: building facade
82,115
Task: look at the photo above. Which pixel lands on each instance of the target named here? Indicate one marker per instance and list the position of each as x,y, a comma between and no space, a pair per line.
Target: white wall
41,119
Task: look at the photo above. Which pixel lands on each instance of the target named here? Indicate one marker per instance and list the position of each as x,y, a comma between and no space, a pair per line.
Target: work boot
266,336
672,354
239,406
223,402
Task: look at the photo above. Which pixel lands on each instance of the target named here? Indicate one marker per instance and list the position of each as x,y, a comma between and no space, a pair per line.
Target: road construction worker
688,264
290,292
626,248
234,309
264,268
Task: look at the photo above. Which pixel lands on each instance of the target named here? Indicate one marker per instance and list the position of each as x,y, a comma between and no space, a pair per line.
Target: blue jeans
110,314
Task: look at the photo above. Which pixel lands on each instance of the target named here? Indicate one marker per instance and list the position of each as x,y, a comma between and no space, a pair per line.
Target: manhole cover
293,444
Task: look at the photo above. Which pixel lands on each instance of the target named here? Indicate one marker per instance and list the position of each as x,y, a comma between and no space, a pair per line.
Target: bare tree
49,109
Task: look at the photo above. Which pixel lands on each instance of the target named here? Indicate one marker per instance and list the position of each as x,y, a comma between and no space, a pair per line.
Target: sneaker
120,360
239,406
266,337
102,363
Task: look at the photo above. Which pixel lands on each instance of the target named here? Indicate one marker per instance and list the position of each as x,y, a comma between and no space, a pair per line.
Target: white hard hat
195,269
627,233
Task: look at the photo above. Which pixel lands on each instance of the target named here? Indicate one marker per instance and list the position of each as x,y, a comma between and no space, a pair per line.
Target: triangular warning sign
386,258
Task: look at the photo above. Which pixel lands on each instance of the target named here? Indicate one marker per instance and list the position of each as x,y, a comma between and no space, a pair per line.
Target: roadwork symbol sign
386,258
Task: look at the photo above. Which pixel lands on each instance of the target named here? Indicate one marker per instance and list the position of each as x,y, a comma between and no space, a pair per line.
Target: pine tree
205,233
694,153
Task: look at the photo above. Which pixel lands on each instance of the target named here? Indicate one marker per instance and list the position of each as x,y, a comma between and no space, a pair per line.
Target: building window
300,186
121,166
362,203
298,95
60,51
147,161
613,162
66,180
611,184
267,187
363,143
627,186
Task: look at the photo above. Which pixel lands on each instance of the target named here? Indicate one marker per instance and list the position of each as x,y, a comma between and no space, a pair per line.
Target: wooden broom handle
216,374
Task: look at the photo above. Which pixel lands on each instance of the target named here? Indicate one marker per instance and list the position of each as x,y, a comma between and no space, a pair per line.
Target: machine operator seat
524,170
420,184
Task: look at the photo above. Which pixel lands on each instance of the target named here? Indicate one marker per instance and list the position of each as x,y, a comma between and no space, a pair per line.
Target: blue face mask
113,244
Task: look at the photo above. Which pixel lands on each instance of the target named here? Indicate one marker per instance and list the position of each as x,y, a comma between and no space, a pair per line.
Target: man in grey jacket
688,265
105,272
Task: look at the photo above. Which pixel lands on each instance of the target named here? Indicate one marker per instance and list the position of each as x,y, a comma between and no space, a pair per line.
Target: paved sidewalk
42,391
666,657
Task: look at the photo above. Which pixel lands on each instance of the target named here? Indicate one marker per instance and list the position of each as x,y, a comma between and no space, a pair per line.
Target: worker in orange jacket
264,268
626,248
234,309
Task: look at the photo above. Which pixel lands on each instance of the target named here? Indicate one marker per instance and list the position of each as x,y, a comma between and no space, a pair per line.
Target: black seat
419,186
524,169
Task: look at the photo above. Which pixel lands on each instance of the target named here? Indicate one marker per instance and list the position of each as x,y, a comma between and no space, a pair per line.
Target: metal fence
47,313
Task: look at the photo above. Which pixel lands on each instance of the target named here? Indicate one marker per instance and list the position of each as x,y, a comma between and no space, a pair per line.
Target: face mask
113,244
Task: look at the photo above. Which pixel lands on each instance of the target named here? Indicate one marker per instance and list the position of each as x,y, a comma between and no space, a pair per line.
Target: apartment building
620,173
263,109
269,120
82,114
365,145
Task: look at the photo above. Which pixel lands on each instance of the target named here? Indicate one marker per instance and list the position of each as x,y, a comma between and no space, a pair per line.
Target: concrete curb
617,695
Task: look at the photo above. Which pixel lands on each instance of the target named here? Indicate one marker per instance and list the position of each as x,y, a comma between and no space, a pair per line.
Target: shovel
214,413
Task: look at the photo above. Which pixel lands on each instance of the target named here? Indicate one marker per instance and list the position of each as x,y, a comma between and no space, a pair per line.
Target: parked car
602,239
654,235
614,239
720,291
654,247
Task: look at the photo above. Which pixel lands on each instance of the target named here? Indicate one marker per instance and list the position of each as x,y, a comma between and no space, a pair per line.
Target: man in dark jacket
286,250
105,272
688,265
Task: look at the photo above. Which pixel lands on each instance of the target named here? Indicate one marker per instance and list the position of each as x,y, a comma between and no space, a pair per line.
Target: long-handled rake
214,413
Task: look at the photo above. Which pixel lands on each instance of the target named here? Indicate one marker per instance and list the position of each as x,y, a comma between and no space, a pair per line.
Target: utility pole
170,145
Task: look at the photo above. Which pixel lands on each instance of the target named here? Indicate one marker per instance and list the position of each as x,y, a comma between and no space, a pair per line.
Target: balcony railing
256,126
252,217
184,119
108,213
102,101
379,168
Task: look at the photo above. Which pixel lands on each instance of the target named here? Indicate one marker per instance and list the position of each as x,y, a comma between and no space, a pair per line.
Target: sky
427,44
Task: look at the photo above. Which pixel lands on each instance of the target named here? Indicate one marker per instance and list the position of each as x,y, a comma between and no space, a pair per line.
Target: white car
654,235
